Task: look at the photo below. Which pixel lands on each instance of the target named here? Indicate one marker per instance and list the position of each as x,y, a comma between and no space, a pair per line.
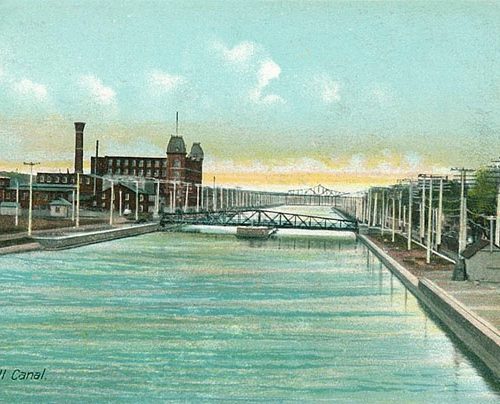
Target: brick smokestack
79,146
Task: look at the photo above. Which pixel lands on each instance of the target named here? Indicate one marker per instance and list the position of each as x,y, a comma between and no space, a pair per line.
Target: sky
281,94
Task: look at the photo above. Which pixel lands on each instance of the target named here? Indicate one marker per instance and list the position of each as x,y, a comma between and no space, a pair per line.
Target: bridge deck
259,217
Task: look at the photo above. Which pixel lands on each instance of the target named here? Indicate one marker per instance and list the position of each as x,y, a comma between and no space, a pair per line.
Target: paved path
482,298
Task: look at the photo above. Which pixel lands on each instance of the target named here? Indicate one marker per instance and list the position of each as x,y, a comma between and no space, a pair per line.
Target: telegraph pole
17,202
439,221
136,201
462,232
77,222
410,219
30,213
429,224
111,203
422,211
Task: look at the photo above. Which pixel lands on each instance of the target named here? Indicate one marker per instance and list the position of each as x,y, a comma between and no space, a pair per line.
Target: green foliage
482,197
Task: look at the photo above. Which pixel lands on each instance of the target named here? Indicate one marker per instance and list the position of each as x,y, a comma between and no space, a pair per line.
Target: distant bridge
258,217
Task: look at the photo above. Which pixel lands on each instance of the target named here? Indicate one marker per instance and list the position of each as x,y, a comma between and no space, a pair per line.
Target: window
103,204
157,173
148,173
118,171
177,163
87,180
127,206
141,163
141,172
127,196
125,171
56,180
110,162
103,196
133,163
41,178
163,173
148,164
141,208
117,162
141,197
157,163
125,162
110,171
65,180
49,179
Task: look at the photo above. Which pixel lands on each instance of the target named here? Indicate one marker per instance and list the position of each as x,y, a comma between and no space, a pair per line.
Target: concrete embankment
71,240
480,336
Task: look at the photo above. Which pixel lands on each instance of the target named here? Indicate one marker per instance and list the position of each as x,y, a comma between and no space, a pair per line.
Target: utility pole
375,209
197,197
157,200
439,221
497,230
111,203
410,219
429,224
400,202
136,201
187,198
73,205
214,197
462,232
393,219
77,222
30,213
17,202
422,211
120,203
382,222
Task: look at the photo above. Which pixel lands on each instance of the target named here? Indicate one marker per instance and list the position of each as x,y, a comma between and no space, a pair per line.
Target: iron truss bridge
317,190
258,217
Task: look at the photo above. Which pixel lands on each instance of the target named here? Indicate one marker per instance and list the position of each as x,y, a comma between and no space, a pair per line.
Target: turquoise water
190,317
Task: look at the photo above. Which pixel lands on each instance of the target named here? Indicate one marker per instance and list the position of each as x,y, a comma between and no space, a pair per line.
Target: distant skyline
285,93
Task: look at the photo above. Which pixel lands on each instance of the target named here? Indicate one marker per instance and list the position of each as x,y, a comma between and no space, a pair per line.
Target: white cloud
100,93
27,88
162,82
250,58
239,55
327,88
268,70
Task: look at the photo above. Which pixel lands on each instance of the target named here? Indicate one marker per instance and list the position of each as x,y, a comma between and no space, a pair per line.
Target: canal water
193,317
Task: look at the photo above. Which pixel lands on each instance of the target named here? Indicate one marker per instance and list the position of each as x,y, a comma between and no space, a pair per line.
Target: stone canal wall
481,337
80,239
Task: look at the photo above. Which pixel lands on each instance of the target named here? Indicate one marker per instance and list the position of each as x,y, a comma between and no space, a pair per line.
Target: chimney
79,146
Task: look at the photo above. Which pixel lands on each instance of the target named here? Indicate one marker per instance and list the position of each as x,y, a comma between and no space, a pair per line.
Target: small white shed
60,208
9,208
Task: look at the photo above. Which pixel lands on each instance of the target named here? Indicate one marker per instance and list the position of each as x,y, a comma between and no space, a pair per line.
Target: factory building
178,175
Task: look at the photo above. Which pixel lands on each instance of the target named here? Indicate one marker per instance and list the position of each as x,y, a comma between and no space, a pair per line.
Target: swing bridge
258,217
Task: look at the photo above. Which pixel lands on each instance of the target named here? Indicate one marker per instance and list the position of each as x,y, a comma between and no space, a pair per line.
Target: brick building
177,175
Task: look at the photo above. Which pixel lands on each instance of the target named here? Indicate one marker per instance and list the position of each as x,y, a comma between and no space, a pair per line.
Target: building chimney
79,146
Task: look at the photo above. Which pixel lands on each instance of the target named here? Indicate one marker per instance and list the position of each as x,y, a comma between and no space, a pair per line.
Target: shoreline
479,336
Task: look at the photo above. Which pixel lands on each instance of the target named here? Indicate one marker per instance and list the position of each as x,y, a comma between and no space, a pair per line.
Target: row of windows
141,172
64,179
139,163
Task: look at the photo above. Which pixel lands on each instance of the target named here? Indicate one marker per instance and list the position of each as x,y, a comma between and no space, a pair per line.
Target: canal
189,317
